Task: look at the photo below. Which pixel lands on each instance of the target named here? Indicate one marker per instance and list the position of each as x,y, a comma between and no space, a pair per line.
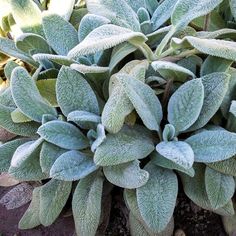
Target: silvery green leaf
219,187
127,175
127,145
53,197
215,88
27,129
120,52
157,198
212,146
7,150
185,105
61,60
48,155
84,119
227,167
220,34
27,16
100,137
138,228
58,39
18,117
187,10
84,69
25,152
105,37
74,92
151,5
144,101
191,63
9,67
162,13
143,15
30,219
215,64
27,96
198,194
61,8
171,70
90,22
86,204
119,14
161,161
177,151
118,105
8,47
232,108
72,165
168,132
29,170
214,47
63,134
29,43
136,5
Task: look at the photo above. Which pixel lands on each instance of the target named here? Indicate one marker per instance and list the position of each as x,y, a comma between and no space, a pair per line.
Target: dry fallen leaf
7,180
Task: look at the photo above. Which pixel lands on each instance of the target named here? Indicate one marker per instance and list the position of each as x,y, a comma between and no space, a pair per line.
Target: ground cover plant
137,94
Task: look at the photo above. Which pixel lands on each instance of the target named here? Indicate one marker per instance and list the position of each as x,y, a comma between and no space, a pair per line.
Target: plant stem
207,22
147,52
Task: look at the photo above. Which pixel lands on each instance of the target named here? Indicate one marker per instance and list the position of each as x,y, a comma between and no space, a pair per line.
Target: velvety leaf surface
72,165
127,175
157,198
212,146
86,204
127,145
64,135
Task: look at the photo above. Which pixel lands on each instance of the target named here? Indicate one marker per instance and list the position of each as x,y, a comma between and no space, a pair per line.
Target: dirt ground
188,217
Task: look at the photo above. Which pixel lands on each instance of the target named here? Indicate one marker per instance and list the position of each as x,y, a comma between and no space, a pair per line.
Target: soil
189,218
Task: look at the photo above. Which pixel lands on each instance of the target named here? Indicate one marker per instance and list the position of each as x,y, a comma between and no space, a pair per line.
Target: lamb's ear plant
123,93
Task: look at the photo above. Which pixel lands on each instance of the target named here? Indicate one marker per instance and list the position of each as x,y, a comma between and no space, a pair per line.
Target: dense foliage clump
127,93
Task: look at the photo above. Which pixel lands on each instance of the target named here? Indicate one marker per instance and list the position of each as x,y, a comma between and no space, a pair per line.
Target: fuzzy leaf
83,69
161,161
53,197
127,145
171,70
7,150
185,105
27,96
90,22
212,146
58,39
27,16
8,47
144,101
30,219
62,134
227,167
177,151
72,165
18,117
86,204
215,88
100,137
214,47
7,180
162,13
9,67
48,155
74,92
24,129
61,8
105,37
157,198
219,187
127,175
25,152
84,119
32,44
187,10
168,133
119,14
